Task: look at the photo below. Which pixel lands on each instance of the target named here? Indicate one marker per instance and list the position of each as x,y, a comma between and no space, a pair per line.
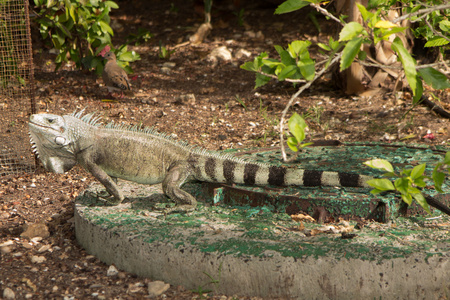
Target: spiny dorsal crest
93,119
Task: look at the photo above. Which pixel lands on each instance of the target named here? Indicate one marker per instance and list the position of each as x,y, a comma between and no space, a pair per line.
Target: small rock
242,53
37,259
44,248
36,230
112,271
250,34
169,65
166,70
156,288
9,294
221,53
259,36
6,249
7,243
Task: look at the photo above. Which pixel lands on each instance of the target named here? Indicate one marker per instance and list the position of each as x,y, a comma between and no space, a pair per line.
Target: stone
37,259
156,288
8,294
112,271
35,230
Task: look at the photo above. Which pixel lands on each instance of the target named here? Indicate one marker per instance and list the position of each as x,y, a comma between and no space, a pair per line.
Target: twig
326,13
300,90
421,11
286,79
435,32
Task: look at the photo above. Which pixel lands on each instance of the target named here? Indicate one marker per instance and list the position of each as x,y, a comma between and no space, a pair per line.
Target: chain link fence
16,88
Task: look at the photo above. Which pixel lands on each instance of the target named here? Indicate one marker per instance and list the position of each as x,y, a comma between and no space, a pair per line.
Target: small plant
295,64
200,290
240,16
240,101
79,30
163,52
409,182
143,35
297,126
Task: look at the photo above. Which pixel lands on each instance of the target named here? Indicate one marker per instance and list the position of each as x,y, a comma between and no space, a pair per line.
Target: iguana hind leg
171,185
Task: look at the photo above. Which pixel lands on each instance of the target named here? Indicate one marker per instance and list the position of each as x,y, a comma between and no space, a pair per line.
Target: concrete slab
251,251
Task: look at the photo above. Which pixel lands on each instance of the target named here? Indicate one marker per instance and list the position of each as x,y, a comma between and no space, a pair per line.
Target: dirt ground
208,103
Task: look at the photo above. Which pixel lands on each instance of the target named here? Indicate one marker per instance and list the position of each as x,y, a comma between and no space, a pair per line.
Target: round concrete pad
253,252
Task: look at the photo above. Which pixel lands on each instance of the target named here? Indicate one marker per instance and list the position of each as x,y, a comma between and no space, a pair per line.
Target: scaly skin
147,157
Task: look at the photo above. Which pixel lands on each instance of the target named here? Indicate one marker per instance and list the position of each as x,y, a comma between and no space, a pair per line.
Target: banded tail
228,169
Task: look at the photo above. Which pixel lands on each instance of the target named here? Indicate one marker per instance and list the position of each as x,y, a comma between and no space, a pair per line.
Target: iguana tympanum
147,157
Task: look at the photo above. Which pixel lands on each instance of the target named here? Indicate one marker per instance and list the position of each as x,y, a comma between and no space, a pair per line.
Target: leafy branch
295,64
410,182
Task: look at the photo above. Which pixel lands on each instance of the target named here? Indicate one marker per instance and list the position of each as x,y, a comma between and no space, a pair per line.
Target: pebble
44,248
242,53
36,230
156,288
112,271
37,259
9,294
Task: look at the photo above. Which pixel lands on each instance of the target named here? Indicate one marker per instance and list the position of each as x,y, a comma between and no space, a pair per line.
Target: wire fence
16,88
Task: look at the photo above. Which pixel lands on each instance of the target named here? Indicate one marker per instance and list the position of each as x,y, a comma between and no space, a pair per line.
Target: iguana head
52,141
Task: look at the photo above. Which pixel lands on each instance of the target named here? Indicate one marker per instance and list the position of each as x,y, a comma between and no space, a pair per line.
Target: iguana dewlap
147,157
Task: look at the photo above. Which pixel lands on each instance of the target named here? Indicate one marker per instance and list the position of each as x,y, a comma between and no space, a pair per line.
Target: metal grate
16,88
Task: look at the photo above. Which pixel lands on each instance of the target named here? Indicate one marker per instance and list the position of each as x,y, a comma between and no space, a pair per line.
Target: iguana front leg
108,182
172,183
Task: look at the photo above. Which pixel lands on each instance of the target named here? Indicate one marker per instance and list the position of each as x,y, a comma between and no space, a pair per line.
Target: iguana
145,156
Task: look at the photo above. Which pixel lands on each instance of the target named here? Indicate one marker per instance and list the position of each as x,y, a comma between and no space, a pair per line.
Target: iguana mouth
38,125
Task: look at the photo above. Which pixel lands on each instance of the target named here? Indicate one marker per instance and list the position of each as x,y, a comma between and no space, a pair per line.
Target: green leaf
417,171
279,49
111,4
261,80
362,55
287,72
419,91
402,185
292,143
270,62
350,31
297,47
324,46
380,164
307,68
447,158
249,66
297,127
438,178
407,198
409,65
434,78
106,28
364,13
382,184
64,30
286,58
350,51
290,5
129,56
436,42
422,201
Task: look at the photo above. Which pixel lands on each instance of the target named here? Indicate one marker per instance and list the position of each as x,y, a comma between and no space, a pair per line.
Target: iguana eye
51,120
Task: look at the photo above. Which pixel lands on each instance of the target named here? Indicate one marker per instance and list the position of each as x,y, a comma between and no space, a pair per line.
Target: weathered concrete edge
322,278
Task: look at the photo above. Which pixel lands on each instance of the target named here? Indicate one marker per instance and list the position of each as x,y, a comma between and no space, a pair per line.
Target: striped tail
230,170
